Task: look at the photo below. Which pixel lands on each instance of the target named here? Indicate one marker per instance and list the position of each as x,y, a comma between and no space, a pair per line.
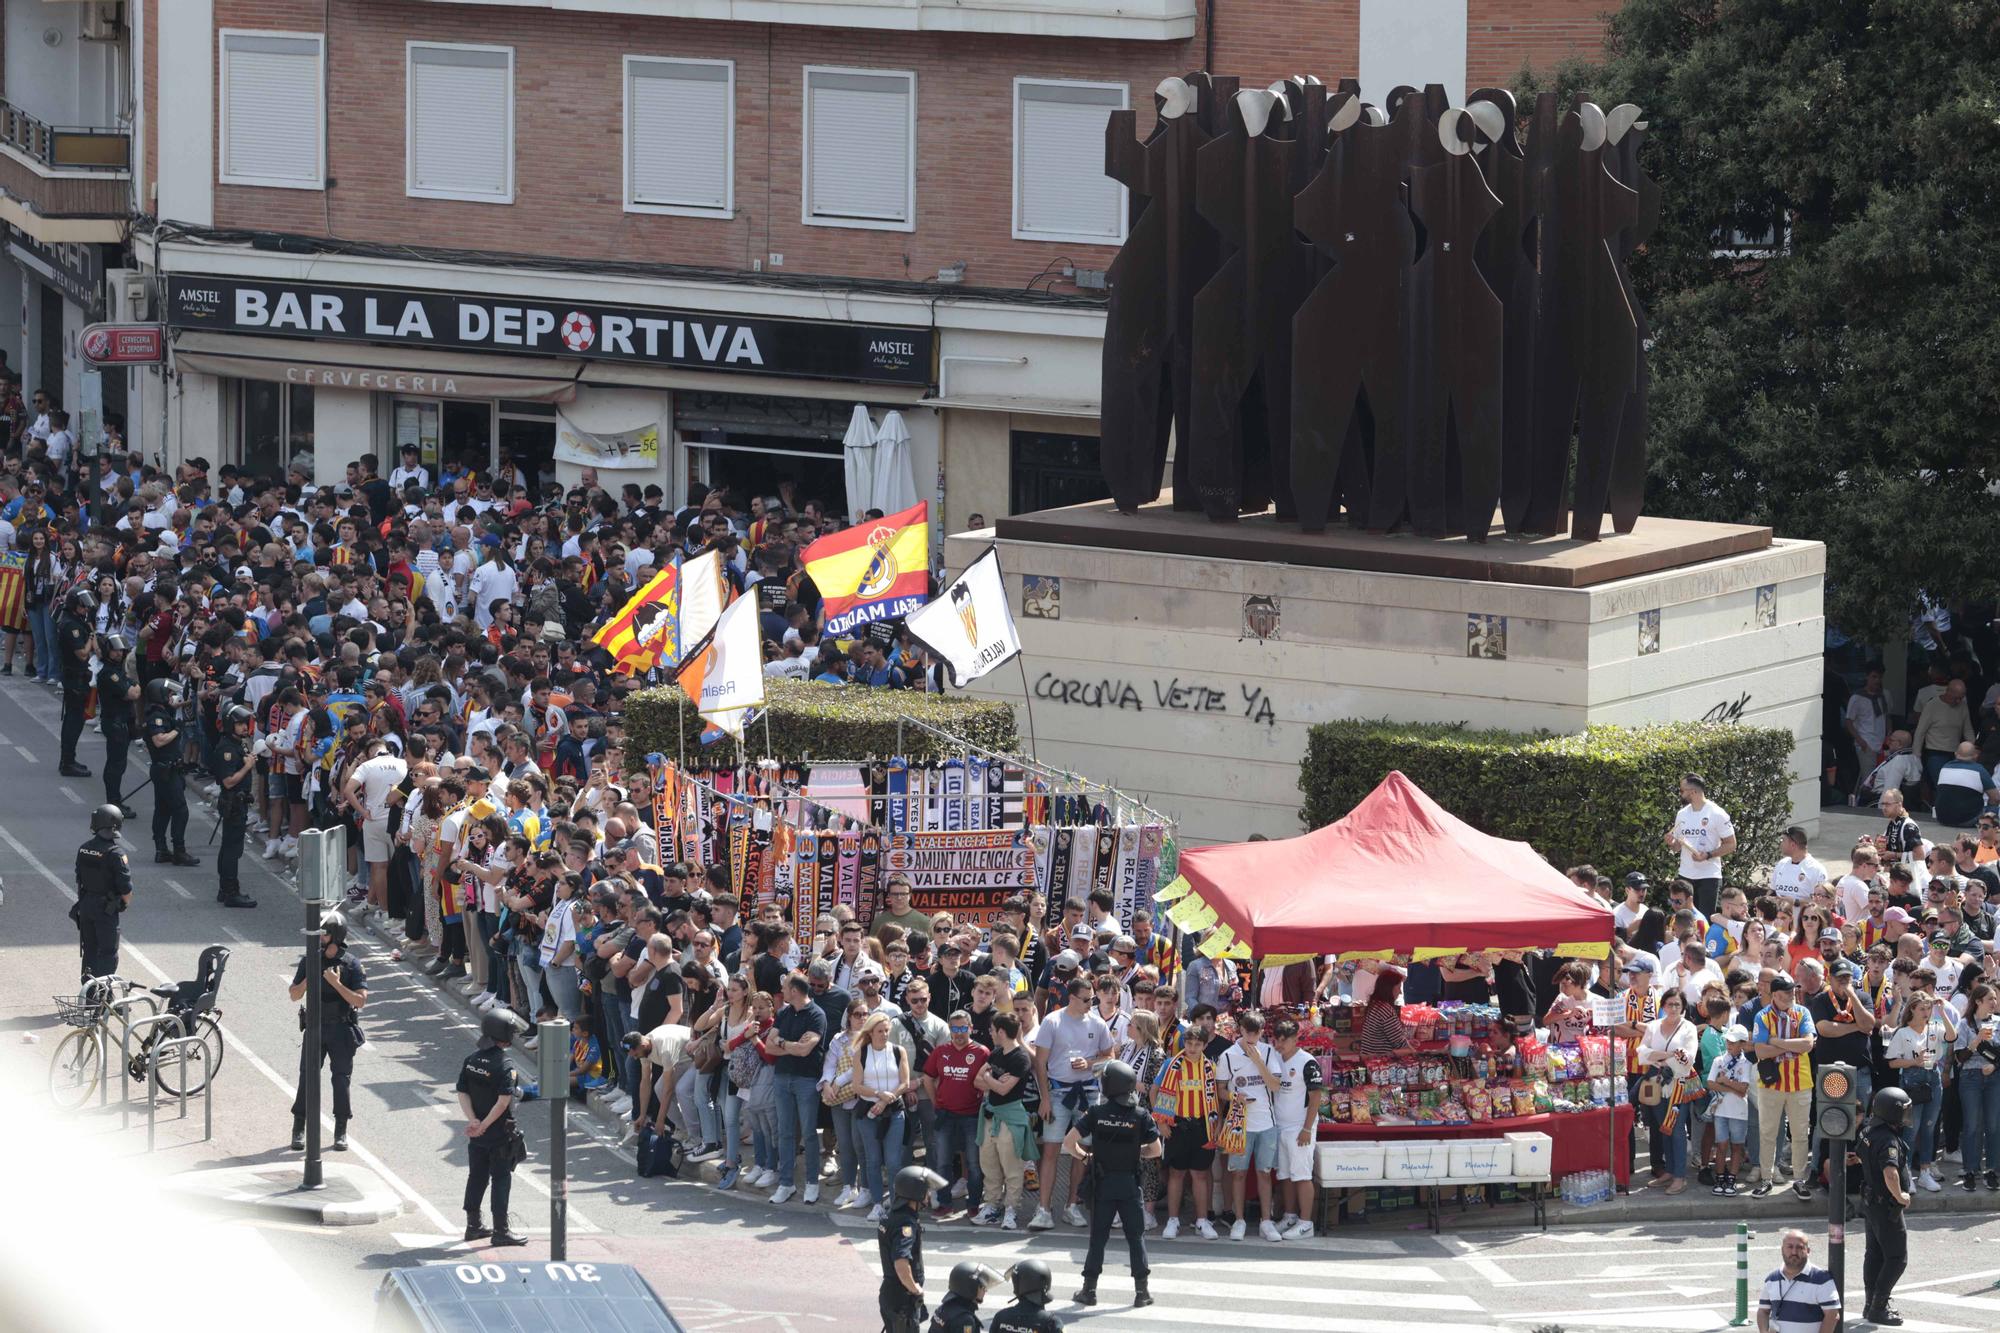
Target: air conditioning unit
103,21
137,300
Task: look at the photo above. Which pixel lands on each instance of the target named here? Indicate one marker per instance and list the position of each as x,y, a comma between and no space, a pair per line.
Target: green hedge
1604,797
810,720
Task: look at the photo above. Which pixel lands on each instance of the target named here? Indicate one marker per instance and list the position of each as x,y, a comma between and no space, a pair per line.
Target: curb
354,1195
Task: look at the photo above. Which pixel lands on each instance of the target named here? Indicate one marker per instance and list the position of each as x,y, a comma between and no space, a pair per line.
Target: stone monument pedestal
1184,661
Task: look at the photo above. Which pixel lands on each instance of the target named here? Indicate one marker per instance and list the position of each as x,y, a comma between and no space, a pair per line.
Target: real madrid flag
876,570
725,678
969,624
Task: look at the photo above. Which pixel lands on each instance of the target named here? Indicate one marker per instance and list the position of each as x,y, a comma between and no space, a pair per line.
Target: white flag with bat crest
969,625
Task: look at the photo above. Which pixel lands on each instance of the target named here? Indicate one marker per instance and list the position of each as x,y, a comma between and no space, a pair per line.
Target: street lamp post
552,1050
322,856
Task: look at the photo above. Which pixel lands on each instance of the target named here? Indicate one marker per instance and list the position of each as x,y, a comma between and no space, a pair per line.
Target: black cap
1782,982
1637,880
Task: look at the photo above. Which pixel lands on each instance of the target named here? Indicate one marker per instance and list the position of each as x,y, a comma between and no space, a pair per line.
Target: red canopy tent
1398,873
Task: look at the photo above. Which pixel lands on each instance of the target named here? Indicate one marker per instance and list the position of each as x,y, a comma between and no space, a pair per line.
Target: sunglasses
961,1027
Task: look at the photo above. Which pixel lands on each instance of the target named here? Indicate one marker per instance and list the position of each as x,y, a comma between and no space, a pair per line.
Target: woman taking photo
1667,1054
1916,1050
884,1068
734,1026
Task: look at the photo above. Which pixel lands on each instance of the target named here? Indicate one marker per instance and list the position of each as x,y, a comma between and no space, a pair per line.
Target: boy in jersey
1295,1113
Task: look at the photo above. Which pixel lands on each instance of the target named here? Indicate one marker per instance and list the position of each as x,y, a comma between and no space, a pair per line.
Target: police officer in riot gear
103,890
232,768
487,1091
1119,1134
1034,1288
74,644
117,691
1885,1193
165,748
899,1237
343,990
958,1312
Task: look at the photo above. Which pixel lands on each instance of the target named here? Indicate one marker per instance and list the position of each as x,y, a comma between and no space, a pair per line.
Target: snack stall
1458,890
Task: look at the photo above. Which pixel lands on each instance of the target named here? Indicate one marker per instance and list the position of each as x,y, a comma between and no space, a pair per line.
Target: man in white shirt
1071,1046
1691,971
1703,835
1867,719
367,790
409,470
1295,1114
1856,884
492,581
1949,970
1797,872
1246,1072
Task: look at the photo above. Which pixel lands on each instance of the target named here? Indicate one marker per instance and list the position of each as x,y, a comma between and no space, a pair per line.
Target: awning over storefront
428,374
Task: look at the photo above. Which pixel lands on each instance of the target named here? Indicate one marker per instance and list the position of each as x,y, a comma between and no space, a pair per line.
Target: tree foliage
1848,388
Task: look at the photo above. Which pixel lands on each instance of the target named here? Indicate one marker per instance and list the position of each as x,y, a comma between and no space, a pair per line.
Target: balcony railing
65,148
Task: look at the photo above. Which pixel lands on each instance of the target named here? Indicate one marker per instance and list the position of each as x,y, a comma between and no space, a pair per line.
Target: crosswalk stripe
1246,1291
1254,1321
1946,1298
1312,1268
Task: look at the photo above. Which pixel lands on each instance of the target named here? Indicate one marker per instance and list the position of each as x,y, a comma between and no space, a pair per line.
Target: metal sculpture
1169,253
1456,325
1241,436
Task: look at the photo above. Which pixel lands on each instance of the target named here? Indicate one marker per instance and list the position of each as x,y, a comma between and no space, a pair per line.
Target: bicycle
78,1061
74,1065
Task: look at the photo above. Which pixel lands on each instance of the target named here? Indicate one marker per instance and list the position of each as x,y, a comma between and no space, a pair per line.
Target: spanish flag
873,571
647,628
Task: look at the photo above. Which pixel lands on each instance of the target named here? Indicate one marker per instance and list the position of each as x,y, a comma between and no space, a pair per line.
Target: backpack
658,1154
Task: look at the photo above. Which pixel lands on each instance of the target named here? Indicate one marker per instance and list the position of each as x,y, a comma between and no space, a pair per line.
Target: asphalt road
734,1261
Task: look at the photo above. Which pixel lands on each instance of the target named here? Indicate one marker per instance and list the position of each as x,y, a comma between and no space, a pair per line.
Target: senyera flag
969,625
725,676
877,570
646,629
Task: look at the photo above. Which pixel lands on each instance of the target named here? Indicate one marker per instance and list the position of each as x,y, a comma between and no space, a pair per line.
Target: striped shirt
1642,1006
1799,1304
1794,1071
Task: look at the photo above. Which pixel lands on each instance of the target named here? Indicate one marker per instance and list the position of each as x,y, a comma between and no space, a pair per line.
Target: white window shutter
677,125
860,149
462,122
1060,189
271,110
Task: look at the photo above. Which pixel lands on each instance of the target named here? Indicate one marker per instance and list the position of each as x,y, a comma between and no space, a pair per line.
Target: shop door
49,371
528,441
754,445
1053,471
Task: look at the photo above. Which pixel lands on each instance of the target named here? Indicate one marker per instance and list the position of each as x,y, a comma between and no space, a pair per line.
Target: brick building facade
376,129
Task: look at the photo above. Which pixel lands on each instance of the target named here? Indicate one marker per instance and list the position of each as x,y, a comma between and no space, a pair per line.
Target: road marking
1310,1264
1946,1298
74,799
1486,1268
1947,1281
179,888
25,753
1623,1273
246,943
250,1057
1669,1290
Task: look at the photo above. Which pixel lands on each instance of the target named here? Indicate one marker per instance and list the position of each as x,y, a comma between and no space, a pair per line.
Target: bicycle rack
118,1008
125,1056
189,1049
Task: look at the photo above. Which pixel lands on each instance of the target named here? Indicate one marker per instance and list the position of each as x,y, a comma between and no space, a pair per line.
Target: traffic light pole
1838,1117
552,1052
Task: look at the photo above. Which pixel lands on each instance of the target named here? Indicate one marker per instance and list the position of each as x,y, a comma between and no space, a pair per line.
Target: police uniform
232,806
1025,1317
484,1078
900,1235
73,637
114,714
1116,1132
955,1314
103,883
1888,1254
339,1030
170,807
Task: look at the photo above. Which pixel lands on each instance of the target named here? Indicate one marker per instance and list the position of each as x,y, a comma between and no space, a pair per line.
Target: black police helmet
333,928
1119,1081
497,1028
915,1183
165,691
237,714
106,819
970,1280
80,602
1891,1106
1032,1281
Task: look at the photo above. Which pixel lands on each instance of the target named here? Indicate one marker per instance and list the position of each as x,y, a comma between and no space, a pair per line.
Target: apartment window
460,122
680,134
273,110
860,151
1060,190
